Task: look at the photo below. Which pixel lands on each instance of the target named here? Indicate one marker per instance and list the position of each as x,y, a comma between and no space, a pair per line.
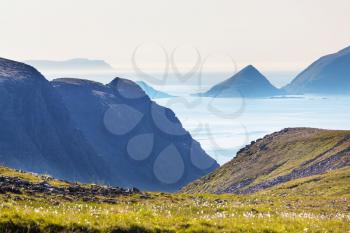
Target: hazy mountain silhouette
249,82
77,64
151,92
328,75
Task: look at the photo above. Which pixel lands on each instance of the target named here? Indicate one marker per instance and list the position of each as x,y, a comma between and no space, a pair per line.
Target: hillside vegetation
277,159
319,203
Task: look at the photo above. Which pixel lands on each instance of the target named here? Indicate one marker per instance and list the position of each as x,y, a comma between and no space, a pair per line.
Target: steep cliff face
249,82
328,75
278,158
145,144
36,132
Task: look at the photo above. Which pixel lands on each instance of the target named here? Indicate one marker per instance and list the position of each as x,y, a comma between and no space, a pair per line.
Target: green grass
281,209
331,184
178,213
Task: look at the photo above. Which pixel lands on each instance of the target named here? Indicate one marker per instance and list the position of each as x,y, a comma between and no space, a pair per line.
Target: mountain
77,64
249,82
328,75
151,92
37,133
84,131
144,143
289,158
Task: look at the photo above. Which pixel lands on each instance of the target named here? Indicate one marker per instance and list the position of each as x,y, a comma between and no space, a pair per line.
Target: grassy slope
282,209
276,155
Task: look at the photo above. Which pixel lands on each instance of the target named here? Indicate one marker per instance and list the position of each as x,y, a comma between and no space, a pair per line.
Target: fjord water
224,125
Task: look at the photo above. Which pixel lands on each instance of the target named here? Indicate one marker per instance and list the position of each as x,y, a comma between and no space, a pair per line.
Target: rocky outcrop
69,191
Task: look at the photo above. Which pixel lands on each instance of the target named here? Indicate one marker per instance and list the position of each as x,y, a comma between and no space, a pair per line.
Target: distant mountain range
151,92
77,64
248,82
328,75
281,163
85,131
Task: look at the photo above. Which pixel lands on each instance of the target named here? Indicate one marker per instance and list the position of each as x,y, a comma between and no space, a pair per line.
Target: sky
274,35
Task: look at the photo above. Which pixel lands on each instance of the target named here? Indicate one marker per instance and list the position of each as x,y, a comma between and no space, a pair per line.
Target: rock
72,192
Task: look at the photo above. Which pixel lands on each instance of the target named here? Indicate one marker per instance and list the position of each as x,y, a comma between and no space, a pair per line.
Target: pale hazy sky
271,34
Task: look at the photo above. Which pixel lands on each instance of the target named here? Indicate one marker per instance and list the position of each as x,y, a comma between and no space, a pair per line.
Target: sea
224,125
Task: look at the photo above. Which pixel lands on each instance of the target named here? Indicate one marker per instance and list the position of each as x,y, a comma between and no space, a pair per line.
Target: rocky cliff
144,143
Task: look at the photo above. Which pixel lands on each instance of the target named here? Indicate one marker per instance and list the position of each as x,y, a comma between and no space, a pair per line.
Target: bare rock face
144,143
36,132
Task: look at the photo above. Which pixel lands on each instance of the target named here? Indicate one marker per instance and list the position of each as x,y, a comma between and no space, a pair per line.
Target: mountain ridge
248,82
329,74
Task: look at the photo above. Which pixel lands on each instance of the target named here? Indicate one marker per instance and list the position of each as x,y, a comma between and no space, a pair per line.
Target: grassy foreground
283,209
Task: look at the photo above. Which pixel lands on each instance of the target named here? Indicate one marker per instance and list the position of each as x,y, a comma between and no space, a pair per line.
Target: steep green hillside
280,158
